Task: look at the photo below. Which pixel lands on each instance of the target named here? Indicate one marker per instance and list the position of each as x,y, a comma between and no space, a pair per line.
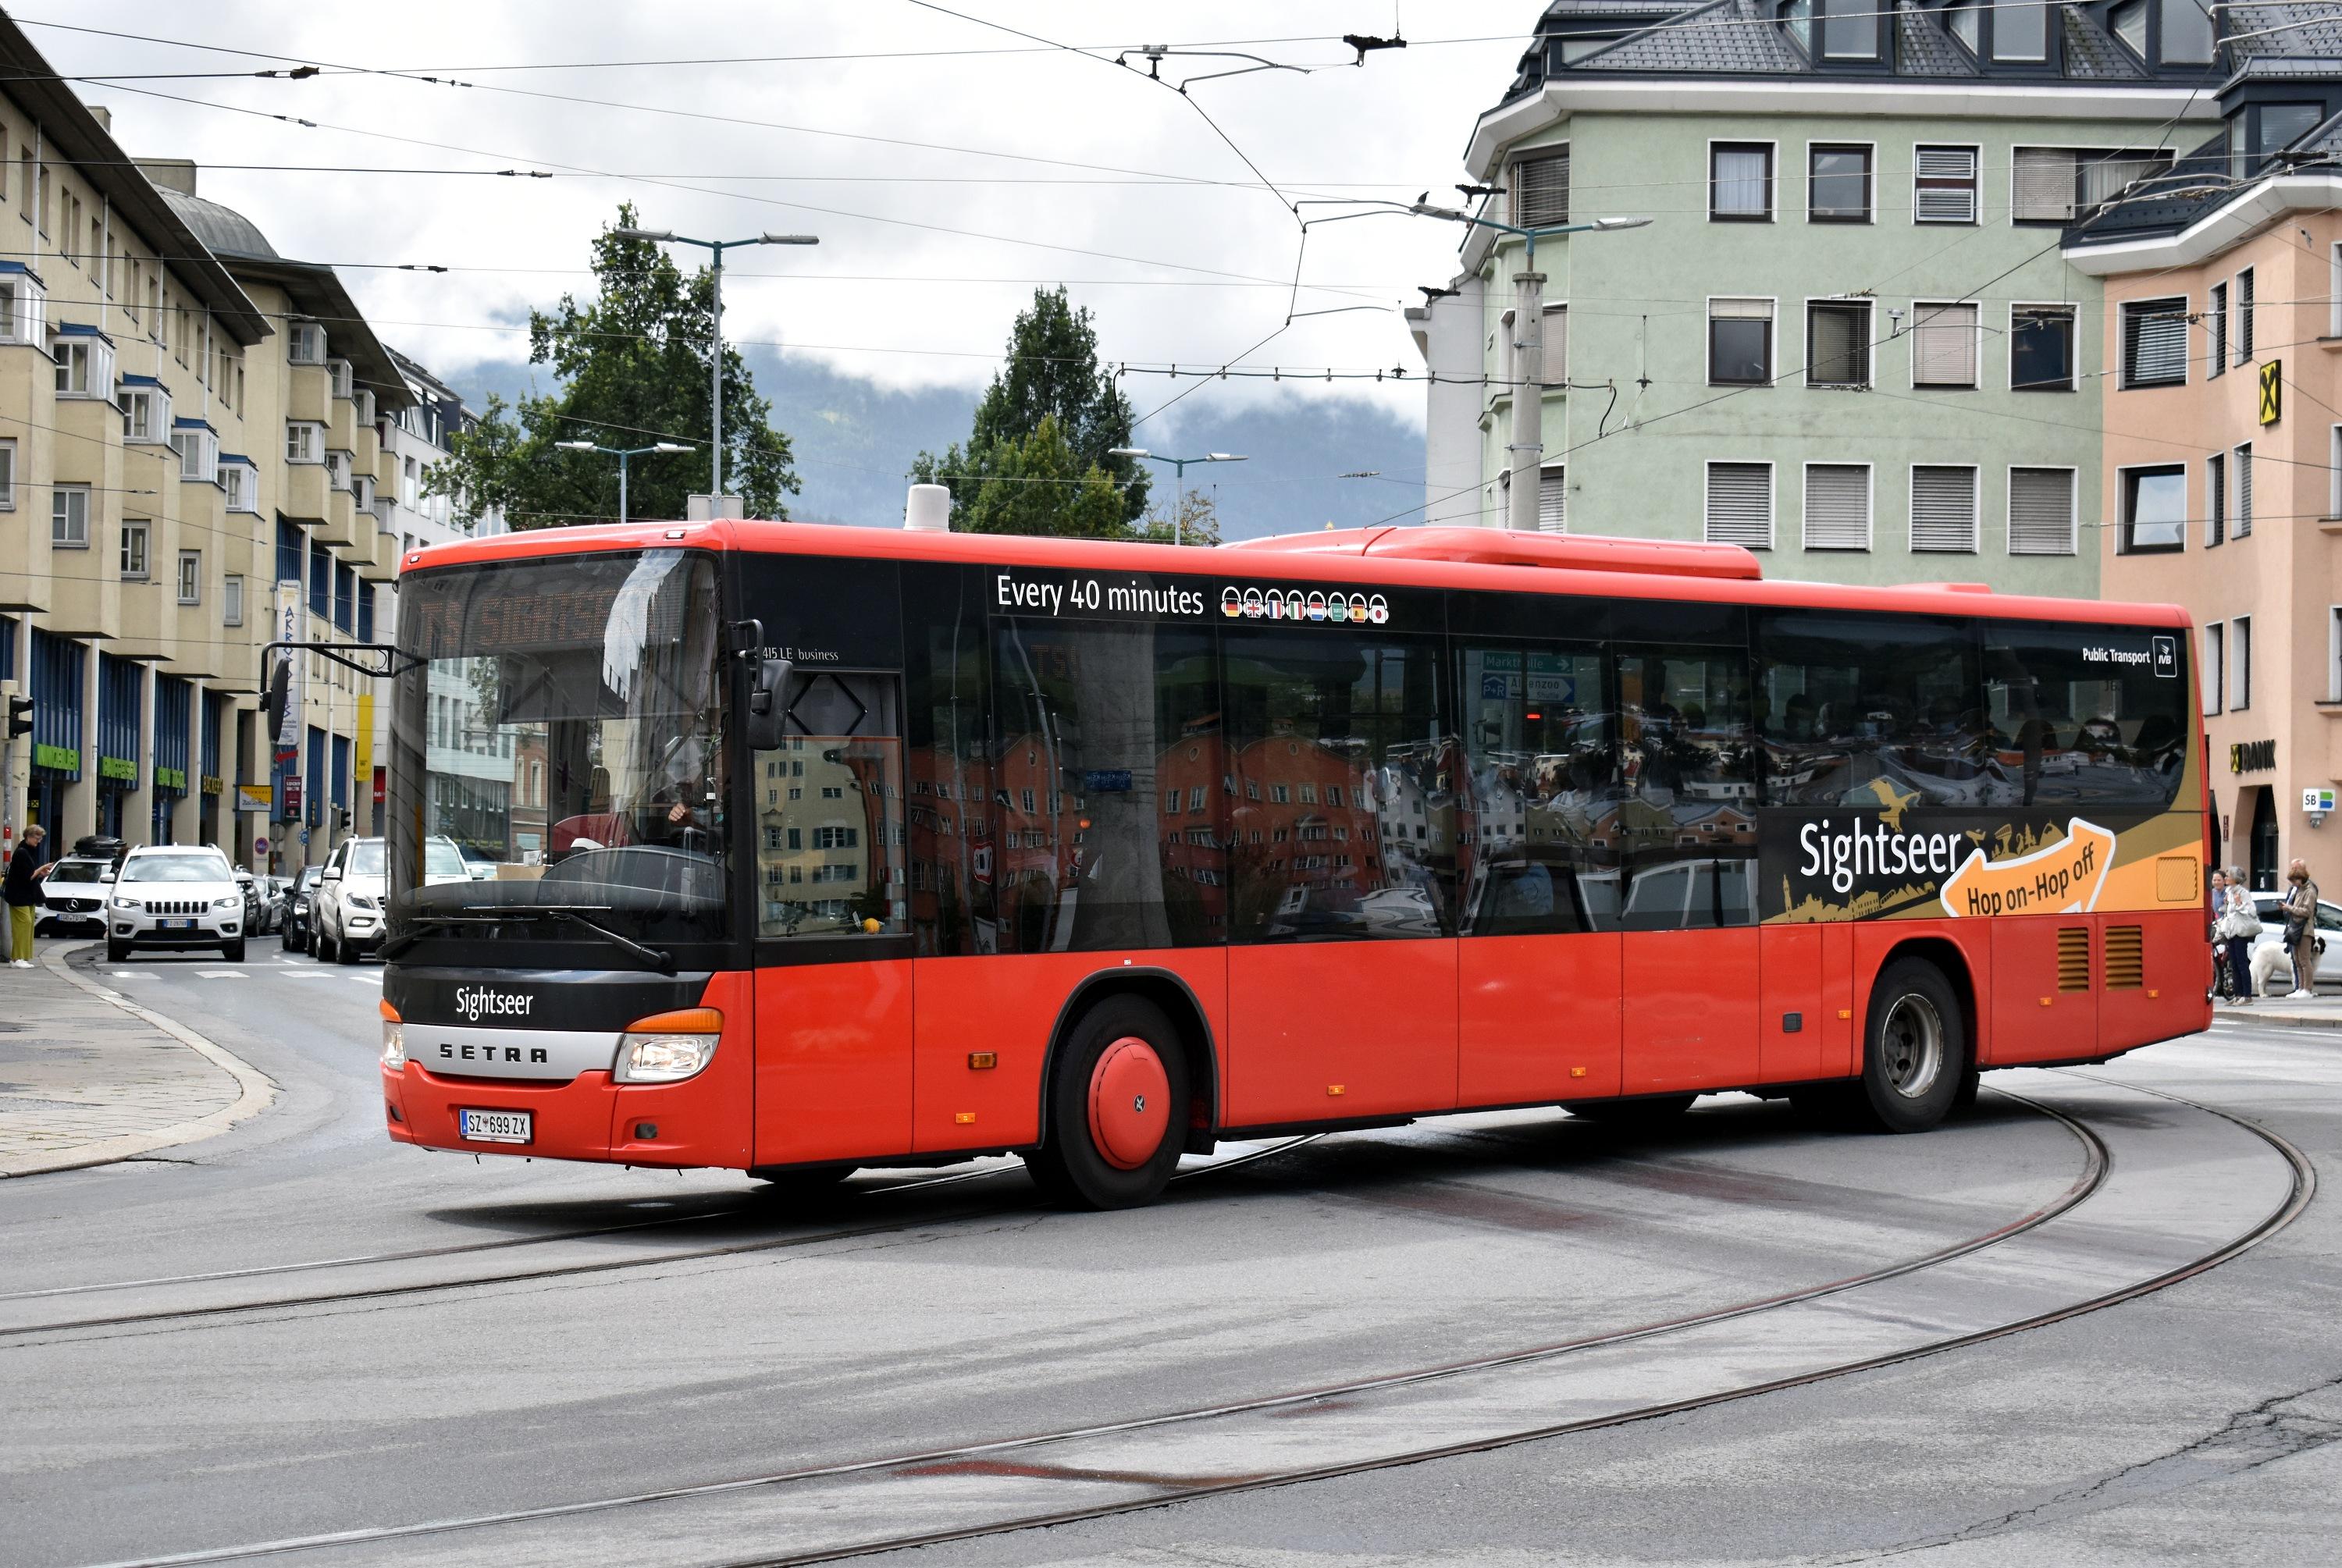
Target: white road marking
130,974
221,974
305,974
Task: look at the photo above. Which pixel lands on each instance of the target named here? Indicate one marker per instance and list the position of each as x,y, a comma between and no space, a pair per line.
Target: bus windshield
561,728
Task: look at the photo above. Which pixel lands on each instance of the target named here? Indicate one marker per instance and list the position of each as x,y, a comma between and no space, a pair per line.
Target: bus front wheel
1118,1109
1915,1048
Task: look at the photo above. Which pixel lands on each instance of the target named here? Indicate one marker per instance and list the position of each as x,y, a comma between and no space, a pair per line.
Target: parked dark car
300,912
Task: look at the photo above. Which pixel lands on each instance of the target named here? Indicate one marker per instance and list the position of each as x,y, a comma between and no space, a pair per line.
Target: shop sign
65,759
214,785
121,768
2252,756
2272,391
171,778
255,798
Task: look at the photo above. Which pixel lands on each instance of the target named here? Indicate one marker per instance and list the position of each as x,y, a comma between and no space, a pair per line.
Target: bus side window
827,805
1869,711
1539,847
1686,816
2079,714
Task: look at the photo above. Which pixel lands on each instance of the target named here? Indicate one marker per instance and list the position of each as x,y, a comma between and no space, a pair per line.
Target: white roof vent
928,510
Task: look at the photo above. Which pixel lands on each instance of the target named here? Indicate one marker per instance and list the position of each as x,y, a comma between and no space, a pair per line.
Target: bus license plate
496,1126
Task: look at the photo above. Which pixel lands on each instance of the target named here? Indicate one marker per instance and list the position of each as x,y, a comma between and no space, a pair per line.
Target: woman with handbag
2300,932
2240,924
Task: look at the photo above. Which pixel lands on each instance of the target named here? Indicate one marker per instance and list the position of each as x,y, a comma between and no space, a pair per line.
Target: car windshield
441,858
175,868
365,858
78,871
563,720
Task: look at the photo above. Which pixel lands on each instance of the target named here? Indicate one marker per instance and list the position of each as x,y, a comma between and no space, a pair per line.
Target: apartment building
189,439
2223,460
1847,338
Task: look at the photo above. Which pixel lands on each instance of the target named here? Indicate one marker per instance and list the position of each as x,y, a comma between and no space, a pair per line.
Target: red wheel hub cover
1130,1103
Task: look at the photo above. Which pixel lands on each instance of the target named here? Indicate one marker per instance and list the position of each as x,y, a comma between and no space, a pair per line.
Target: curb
2274,1020
258,1091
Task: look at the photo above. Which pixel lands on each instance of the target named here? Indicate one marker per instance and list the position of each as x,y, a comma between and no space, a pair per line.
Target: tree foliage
630,369
1039,458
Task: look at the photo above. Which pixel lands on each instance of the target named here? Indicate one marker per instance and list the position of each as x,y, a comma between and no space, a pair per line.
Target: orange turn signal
389,1014
979,1061
683,1021
963,1117
1337,1088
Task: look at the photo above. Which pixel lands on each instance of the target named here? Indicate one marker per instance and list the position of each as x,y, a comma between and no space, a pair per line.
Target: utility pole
1525,455
621,454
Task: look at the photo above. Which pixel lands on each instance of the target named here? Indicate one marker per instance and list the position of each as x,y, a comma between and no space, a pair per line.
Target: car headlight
360,901
233,900
668,1047
394,1038
126,903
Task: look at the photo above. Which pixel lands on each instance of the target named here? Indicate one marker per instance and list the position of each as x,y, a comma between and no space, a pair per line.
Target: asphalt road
521,1336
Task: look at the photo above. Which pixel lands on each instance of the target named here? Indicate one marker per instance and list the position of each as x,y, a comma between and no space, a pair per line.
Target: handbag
2245,921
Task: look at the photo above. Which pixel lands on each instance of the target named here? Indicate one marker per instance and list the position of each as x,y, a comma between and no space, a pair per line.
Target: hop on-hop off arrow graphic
2063,879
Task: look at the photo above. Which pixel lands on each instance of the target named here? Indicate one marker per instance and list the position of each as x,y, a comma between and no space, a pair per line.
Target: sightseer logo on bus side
1851,866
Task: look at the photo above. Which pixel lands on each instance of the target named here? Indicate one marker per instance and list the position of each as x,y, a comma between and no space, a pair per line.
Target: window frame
2073,314
1772,180
1869,508
190,584
2216,499
1772,496
2240,341
137,564
1869,183
231,599
60,512
2215,330
2073,510
1976,347
1974,182
2126,478
297,335
1772,338
2240,463
316,443
7,473
2240,663
2215,680
1553,152
1975,508
1869,310
2125,311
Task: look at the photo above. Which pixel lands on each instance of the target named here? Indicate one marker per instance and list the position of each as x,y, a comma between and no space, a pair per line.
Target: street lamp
1528,445
621,454
1178,474
716,335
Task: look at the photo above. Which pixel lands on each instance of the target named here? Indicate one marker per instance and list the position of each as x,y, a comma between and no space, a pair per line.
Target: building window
1739,342
2041,512
1540,188
1739,505
364,399
145,413
1943,344
1850,29
191,576
21,309
1837,343
343,382
2129,22
1837,183
2154,342
2334,653
1838,507
2240,663
2244,317
2216,499
85,366
337,469
231,600
198,451
2041,348
2215,332
2155,509
1553,499
243,491
2245,491
2021,31
2215,645
69,516
136,535
1740,182
2334,472
1944,184
304,343
8,473
1943,509
304,442
2186,33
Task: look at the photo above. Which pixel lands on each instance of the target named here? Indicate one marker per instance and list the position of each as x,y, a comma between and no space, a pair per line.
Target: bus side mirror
765,713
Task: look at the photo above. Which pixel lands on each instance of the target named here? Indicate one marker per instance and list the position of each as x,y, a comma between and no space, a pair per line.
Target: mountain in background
855,441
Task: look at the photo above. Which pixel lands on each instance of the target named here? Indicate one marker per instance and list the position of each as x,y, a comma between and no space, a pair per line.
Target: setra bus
801,848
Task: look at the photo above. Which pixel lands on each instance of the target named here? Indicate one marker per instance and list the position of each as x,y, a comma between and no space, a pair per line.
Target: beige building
191,461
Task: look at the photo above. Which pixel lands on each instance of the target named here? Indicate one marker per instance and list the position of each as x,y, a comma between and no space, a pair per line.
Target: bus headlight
668,1047
394,1039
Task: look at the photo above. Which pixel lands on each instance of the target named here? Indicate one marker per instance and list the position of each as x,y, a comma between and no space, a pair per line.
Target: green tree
1052,380
630,368
1199,521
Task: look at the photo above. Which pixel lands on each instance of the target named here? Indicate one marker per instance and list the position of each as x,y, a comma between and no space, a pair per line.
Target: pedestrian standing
2301,929
2243,928
22,895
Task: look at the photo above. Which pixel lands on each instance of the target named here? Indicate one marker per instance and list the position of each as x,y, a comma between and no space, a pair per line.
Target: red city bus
799,848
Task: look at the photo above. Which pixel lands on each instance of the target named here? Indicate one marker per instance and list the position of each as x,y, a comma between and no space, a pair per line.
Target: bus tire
1649,1111
1118,1109
1914,1052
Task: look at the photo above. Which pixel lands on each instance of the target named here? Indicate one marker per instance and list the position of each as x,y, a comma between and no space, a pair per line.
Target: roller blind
1943,509
2040,512
2154,342
2244,490
1540,189
1838,507
1553,500
2044,189
1944,345
1740,504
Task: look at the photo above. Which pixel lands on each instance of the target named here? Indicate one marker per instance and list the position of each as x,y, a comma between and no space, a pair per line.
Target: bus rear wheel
1915,1048
1118,1109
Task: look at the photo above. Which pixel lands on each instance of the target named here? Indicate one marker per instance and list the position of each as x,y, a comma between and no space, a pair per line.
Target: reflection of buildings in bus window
822,836
529,795
469,762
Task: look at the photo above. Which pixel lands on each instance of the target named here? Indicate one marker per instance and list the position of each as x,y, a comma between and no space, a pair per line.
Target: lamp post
1178,475
621,454
1526,448
716,333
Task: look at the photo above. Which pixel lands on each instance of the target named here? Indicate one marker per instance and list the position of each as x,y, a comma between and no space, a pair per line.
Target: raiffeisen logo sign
478,1001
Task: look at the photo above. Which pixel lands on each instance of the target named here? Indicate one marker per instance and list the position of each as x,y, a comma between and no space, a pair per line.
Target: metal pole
1178,497
715,376
622,486
1527,445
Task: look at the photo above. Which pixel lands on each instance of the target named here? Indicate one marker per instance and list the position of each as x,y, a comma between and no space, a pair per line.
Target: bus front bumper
695,1122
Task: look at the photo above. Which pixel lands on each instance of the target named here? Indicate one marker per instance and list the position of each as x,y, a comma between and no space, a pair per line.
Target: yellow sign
362,759
2062,879
2272,391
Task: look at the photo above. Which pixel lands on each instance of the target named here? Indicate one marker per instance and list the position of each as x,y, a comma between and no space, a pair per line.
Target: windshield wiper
496,914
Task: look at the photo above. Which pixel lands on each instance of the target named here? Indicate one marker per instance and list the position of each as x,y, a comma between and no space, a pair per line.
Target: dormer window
1964,18
2186,33
1797,21
2128,23
1850,29
2258,132
2020,33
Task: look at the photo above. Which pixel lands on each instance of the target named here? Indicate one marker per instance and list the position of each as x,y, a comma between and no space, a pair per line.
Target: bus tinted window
947,810
1345,816
828,804
1108,787
1863,710
2093,715
1539,847
1686,818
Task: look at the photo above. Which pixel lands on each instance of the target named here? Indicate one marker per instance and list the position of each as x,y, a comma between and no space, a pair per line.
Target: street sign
2318,800
293,798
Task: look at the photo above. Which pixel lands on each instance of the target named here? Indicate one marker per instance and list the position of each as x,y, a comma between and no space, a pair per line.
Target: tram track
1026,1456
513,1276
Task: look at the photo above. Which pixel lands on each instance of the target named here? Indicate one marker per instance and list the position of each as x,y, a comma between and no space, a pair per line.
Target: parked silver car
2272,967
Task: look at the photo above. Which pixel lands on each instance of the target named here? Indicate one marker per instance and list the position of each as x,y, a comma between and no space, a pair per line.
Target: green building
1847,338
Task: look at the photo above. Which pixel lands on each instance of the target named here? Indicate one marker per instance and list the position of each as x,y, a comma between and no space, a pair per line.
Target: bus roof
1482,559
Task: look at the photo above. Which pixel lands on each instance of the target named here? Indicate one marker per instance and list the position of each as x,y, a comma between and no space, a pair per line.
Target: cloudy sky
947,166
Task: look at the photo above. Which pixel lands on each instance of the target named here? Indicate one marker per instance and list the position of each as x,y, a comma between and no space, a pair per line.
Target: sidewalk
88,1076
2322,1012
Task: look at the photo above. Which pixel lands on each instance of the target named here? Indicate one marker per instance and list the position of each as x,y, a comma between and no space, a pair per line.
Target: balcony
305,489
309,395
339,523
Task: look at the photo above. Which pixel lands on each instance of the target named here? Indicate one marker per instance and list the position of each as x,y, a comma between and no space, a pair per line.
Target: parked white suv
347,917
175,896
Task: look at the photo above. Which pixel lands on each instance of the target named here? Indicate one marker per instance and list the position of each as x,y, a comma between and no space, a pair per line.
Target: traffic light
280,692
20,716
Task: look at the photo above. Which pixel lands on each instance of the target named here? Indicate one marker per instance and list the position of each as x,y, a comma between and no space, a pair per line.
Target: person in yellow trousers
24,896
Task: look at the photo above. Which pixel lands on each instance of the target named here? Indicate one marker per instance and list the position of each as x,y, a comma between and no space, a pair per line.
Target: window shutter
2244,315
2243,491
2040,512
2216,499
1553,500
2215,328
1838,507
2155,346
1740,504
1943,509
1944,345
2044,189
1946,185
1540,189
1556,343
